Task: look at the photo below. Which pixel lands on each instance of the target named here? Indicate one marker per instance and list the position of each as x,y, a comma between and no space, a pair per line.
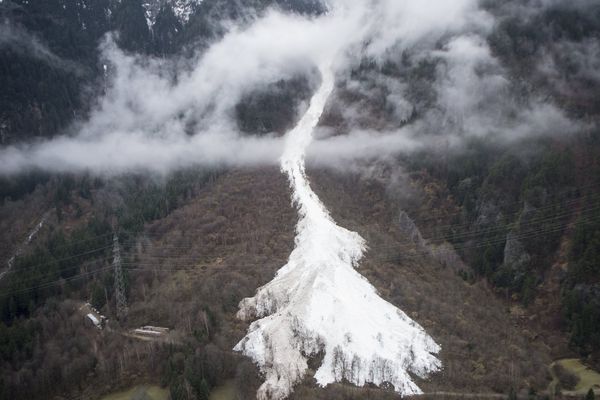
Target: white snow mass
318,304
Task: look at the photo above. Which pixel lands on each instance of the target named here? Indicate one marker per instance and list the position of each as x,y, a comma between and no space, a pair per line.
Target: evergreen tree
166,31
98,297
590,395
177,389
204,390
130,22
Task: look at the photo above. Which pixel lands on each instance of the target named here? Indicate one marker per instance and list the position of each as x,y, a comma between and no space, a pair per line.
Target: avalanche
318,304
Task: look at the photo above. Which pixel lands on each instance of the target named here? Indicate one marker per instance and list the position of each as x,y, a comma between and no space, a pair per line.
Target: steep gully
319,305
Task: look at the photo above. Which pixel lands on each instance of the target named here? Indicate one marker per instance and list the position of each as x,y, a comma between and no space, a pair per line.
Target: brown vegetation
484,349
189,270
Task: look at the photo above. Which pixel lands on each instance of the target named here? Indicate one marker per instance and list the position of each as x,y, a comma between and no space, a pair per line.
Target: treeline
48,272
138,199
517,203
274,108
61,257
520,200
514,208
146,199
191,373
559,32
46,275
16,187
581,290
76,264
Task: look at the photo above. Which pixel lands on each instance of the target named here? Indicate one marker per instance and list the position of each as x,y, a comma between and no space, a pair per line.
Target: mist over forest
460,141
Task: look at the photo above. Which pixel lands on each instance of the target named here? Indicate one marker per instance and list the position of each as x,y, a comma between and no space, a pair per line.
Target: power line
53,283
59,260
444,237
517,213
532,222
499,231
500,237
433,215
70,243
409,246
456,235
194,267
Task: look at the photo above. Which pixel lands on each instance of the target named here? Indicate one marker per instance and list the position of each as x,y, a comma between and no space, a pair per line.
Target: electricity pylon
119,281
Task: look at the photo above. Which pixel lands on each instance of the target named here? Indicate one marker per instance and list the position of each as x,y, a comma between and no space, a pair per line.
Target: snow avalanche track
318,304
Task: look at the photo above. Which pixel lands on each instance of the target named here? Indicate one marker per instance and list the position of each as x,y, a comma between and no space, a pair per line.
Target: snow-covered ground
319,304
181,8
32,234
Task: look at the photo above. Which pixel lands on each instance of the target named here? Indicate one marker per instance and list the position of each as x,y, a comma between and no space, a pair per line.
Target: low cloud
159,115
116,153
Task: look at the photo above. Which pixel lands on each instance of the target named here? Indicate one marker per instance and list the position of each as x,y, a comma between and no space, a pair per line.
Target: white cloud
157,115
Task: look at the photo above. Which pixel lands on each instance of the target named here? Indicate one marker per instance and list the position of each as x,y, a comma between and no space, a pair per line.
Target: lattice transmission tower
119,281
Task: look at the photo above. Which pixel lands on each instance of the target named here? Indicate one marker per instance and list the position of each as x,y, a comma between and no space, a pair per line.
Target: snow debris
318,304
182,9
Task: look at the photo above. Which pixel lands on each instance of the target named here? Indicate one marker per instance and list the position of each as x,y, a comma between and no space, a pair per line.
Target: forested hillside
51,71
476,185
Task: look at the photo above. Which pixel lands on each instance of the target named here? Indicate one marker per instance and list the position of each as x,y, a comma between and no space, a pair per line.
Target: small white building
152,331
155,328
94,320
146,332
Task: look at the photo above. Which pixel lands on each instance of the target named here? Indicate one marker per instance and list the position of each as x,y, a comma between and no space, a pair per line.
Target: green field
588,378
224,392
140,392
